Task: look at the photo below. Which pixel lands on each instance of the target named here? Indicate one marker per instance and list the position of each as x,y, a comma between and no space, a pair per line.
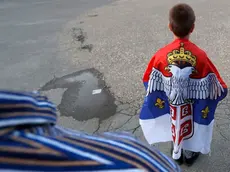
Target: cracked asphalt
91,65
123,36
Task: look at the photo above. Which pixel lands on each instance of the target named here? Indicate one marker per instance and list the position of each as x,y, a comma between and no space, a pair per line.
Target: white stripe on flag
157,130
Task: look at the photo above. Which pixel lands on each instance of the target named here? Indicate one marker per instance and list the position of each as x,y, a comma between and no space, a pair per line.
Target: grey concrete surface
124,35
29,34
44,45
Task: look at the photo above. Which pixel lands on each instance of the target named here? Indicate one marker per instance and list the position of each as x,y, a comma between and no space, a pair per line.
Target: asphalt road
100,57
29,33
124,36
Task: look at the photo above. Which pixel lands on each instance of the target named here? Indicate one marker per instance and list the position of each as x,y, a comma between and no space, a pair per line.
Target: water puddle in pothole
86,95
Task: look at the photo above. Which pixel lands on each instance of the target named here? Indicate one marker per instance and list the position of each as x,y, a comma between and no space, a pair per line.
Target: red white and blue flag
183,90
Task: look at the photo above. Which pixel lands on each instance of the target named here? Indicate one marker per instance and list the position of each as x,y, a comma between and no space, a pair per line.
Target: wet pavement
85,102
100,58
124,36
86,95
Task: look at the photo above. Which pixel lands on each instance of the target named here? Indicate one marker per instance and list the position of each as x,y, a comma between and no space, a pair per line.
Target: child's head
181,20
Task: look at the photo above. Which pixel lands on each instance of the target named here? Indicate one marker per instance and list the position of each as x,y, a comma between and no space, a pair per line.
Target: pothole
86,95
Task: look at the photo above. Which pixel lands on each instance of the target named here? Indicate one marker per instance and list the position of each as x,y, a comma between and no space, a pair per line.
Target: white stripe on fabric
25,98
130,138
69,132
121,145
69,149
168,159
32,120
120,135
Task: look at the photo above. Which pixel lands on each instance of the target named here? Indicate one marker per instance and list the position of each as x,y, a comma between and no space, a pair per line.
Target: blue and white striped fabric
30,140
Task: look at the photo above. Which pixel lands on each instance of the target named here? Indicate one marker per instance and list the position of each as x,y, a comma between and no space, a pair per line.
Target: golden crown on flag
181,55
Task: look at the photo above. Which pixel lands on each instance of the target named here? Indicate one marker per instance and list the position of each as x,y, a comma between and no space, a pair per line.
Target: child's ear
170,26
193,26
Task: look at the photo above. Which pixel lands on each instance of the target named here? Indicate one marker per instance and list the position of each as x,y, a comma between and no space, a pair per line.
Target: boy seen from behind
183,90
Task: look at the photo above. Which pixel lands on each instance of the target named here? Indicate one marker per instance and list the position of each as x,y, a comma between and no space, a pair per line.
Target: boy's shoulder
189,46
163,49
198,49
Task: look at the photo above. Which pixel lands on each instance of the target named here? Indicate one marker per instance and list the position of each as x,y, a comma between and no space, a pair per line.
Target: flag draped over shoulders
183,89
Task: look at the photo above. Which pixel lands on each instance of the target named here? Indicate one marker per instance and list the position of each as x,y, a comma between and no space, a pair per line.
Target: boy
183,89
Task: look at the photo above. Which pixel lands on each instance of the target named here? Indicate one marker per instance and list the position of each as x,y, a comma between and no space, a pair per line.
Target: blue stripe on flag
151,109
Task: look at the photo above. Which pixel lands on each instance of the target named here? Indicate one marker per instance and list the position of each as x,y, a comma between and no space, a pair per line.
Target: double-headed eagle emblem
180,88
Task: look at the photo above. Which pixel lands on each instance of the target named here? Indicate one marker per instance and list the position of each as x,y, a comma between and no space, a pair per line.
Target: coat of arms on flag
189,91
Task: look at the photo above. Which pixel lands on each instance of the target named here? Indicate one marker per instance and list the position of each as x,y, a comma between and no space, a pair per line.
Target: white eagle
180,87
